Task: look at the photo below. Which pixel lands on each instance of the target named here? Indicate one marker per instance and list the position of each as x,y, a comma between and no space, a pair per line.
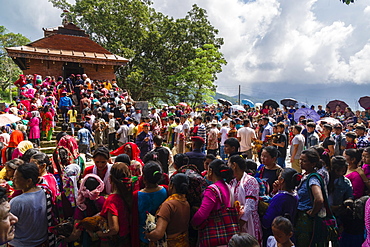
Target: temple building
66,50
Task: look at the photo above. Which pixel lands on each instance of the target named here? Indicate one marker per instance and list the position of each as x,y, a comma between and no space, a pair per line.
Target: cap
23,146
197,139
78,75
73,75
146,125
214,122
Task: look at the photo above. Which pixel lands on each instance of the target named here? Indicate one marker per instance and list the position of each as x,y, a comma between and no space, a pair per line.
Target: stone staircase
48,147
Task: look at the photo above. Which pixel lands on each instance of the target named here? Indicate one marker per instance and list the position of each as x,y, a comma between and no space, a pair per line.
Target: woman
218,172
72,115
30,208
367,224
147,200
329,141
7,224
311,200
46,173
246,190
269,170
133,151
353,157
284,202
47,123
34,123
89,203
101,167
174,214
116,209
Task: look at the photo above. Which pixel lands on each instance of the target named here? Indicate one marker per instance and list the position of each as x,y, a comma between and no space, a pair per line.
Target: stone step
47,150
46,144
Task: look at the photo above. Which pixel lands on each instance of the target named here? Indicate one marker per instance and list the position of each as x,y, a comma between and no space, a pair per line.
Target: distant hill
234,99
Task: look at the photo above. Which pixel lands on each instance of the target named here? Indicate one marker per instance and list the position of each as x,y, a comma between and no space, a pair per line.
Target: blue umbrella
247,102
306,113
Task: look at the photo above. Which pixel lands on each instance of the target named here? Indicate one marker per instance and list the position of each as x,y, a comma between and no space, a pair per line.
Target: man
69,82
199,129
154,115
312,137
297,147
77,85
320,111
212,140
246,136
87,81
340,139
362,140
99,127
164,153
112,141
223,136
137,114
231,147
122,133
281,144
84,138
145,140
170,131
225,119
267,129
196,156
232,131
65,103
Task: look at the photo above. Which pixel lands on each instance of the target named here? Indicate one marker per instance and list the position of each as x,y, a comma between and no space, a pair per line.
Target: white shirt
112,123
246,135
224,130
123,130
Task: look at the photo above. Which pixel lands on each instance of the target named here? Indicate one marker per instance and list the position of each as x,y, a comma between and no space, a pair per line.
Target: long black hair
221,170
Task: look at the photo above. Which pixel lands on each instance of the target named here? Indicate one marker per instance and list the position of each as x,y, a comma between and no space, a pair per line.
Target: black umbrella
222,101
364,102
334,103
270,102
227,102
288,102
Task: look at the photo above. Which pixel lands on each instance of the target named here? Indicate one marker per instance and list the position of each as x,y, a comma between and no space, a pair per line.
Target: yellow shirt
108,86
72,116
3,173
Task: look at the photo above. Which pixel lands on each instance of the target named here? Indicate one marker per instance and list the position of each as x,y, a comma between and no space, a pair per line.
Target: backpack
116,125
359,207
197,185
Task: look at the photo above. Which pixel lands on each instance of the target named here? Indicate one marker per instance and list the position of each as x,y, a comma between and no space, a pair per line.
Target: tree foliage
9,71
171,60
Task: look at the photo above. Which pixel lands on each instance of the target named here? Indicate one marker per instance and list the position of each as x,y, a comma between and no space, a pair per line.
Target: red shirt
117,207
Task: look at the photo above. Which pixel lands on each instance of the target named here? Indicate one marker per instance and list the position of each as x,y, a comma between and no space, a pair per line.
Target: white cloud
265,40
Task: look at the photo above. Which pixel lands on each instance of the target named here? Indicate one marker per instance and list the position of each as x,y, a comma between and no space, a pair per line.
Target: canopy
247,102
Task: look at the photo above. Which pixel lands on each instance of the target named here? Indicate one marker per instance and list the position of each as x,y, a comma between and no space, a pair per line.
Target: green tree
164,52
9,71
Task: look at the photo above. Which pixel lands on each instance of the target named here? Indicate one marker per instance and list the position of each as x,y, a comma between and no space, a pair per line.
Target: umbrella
307,113
258,105
237,108
334,103
364,102
288,102
329,120
247,102
222,101
8,119
183,104
270,102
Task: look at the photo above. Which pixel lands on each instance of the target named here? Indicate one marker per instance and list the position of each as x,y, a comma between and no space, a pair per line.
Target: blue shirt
84,136
65,101
342,191
149,202
304,197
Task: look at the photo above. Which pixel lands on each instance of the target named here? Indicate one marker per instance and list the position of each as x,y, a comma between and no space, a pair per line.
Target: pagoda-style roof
66,43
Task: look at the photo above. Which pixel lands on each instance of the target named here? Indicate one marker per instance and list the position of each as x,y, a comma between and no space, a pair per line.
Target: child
282,229
350,138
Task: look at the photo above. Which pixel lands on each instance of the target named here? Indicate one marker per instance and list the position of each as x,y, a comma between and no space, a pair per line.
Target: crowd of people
179,176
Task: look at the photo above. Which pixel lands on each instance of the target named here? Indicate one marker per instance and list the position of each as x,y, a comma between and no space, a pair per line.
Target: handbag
220,225
325,229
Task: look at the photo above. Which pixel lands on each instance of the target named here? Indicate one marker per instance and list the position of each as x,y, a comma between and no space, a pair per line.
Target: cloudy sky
272,46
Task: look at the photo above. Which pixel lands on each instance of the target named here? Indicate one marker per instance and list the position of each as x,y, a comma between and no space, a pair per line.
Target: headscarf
73,171
135,151
84,193
36,114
